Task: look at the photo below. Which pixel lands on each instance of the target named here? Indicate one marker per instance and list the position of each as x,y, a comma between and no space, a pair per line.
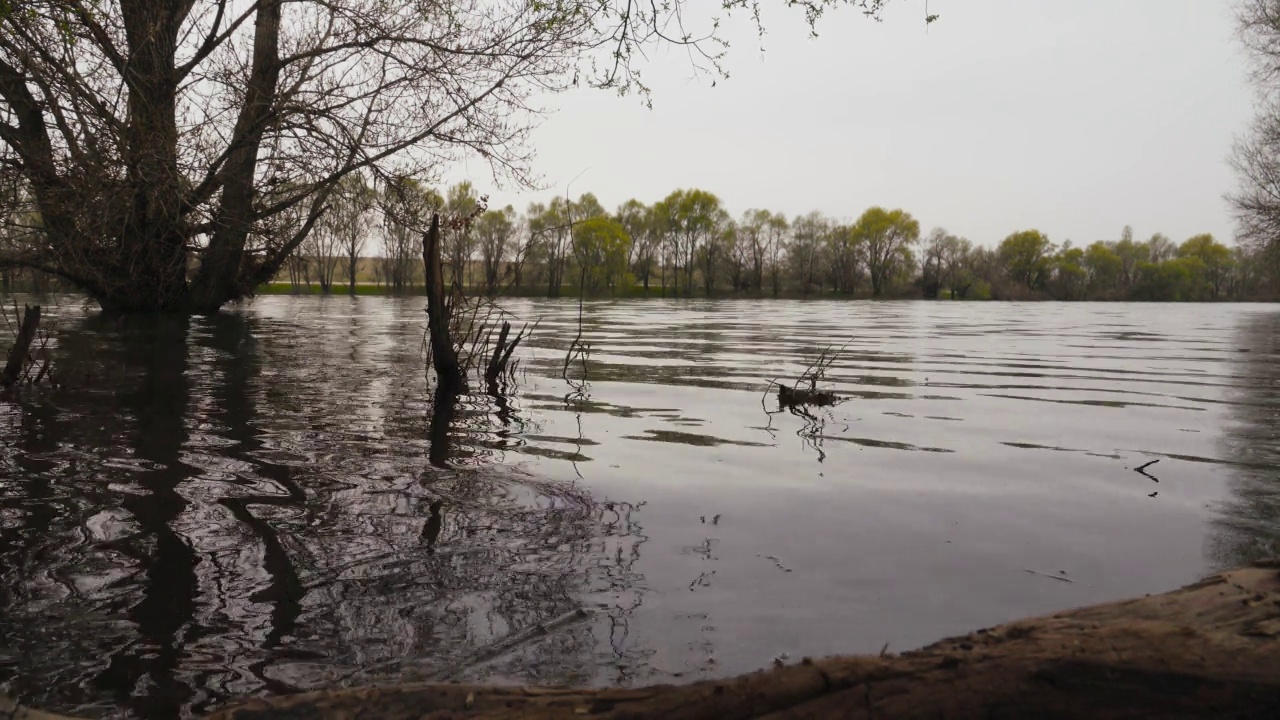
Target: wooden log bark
21,350
444,357
1208,650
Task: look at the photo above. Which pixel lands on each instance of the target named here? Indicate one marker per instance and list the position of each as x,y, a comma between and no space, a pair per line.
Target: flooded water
246,504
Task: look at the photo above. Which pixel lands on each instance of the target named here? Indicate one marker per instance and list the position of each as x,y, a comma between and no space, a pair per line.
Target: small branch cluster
805,391
480,351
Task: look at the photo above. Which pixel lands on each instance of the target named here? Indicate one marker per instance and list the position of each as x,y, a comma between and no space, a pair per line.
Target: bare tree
1161,248
323,249
406,206
551,226
350,219
1256,156
753,236
495,232
638,220
715,248
299,267
934,267
956,261
526,248
152,131
777,246
808,235
459,243
847,254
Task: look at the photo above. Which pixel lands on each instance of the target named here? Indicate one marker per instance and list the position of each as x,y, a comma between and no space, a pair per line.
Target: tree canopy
1256,158
151,148
686,244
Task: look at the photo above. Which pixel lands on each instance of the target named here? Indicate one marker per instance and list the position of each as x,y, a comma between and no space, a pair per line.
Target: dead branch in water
460,331
1142,470
500,365
793,397
444,357
479,351
805,391
578,350
21,363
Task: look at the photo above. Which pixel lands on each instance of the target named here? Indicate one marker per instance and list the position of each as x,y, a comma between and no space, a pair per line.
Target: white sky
1075,117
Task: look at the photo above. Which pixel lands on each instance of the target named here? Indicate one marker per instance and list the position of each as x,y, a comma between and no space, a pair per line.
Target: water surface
247,504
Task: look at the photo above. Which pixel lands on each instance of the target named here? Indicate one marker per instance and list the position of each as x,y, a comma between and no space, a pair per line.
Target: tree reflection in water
235,505
1249,526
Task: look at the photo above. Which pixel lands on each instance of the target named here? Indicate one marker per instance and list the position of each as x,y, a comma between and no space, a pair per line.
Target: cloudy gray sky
1075,118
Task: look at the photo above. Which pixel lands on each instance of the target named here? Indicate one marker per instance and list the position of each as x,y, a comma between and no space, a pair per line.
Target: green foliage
1169,281
687,244
692,220
1103,266
887,236
1027,258
1132,255
1070,277
1215,261
981,290
600,252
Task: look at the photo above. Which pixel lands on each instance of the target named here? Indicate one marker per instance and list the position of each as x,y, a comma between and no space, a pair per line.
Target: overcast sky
1074,117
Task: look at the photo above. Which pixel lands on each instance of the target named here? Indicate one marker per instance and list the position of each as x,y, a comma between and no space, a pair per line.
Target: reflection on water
234,507
275,500
1250,524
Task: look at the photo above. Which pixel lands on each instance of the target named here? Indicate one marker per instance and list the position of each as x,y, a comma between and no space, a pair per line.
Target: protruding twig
1055,577
1142,469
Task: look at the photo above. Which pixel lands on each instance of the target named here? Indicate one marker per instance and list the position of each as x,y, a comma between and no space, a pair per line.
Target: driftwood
15,368
1208,650
804,392
799,397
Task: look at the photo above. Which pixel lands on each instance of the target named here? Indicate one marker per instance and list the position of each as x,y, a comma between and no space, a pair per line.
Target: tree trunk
352,266
443,355
20,353
221,265
1209,650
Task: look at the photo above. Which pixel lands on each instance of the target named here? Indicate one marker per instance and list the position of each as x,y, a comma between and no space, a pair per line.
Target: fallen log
1208,650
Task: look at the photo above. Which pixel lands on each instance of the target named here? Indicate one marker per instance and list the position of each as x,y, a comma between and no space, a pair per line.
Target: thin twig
1142,470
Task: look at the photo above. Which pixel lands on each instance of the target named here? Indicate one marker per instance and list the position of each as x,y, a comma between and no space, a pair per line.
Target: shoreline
1209,649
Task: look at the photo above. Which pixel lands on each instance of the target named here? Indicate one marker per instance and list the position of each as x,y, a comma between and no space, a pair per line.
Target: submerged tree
158,138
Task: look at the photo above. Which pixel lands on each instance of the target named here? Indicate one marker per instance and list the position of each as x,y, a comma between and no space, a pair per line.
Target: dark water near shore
244,504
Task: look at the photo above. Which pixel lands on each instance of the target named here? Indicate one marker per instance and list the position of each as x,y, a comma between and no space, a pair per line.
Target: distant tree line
687,244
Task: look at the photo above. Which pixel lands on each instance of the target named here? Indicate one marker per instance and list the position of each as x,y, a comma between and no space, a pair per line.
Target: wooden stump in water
1208,650
20,353
443,355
